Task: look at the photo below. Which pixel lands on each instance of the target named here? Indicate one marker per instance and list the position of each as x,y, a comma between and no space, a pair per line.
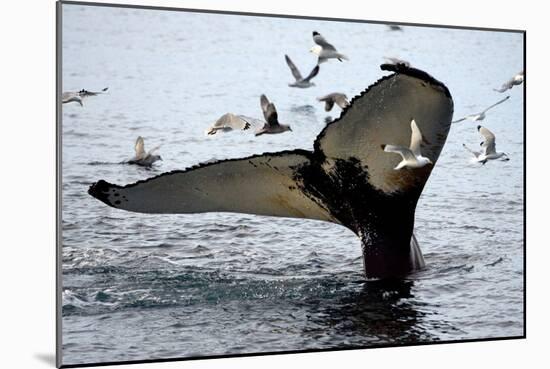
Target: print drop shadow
48,358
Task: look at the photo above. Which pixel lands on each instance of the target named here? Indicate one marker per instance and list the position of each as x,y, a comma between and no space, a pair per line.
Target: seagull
488,148
272,124
336,97
324,50
480,116
229,122
145,159
71,96
301,82
344,179
412,158
394,27
395,61
514,81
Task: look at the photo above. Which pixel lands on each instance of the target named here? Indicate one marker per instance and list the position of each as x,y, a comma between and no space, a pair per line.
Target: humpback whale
347,179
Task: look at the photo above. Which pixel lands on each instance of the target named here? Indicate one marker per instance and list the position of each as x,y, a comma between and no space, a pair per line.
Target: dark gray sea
141,286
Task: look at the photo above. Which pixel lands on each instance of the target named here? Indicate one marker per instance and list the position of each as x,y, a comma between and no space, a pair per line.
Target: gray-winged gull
412,157
337,98
325,50
272,124
480,116
70,96
229,122
345,179
514,81
488,148
143,158
301,82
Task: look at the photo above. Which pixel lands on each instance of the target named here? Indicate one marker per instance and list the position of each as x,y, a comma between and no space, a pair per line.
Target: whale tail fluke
347,179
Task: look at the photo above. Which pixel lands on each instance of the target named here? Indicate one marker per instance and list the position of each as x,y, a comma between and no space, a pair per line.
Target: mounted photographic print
237,184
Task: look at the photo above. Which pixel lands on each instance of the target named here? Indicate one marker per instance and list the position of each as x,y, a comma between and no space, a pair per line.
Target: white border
27,266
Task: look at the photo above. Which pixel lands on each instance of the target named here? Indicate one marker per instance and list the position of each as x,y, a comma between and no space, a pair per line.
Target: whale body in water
347,179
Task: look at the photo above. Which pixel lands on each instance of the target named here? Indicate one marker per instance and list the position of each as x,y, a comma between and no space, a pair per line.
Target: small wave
163,245
498,261
105,163
462,267
75,133
103,297
200,248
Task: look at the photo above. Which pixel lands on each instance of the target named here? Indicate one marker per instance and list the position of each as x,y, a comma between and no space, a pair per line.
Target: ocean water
139,286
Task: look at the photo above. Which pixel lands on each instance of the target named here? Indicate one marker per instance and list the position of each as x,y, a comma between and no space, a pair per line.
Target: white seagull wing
251,122
416,138
139,147
231,121
66,96
405,152
495,104
489,143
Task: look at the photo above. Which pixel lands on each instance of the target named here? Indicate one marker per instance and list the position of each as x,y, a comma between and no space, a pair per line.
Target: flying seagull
301,82
412,157
70,96
272,124
324,50
480,116
514,81
229,122
488,148
336,97
145,159
345,179
392,60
